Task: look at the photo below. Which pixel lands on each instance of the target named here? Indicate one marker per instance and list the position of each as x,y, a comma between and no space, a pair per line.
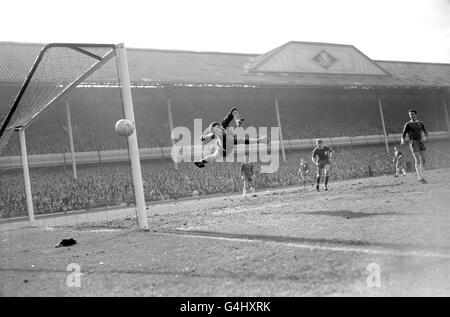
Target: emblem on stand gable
324,59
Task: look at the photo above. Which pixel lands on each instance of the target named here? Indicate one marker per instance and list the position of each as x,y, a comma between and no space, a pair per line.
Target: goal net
57,70
60,122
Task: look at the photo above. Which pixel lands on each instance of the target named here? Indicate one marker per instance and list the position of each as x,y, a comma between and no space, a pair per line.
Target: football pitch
379,236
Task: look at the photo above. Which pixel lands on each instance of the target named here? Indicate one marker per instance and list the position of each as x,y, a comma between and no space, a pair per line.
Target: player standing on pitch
323,154
225,139
399,162
247,175
414,129
304,172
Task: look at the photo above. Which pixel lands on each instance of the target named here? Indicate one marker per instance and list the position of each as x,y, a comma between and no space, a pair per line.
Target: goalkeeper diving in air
225,138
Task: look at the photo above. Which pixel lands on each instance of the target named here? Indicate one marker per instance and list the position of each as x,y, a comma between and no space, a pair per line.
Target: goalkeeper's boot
239,122
236,116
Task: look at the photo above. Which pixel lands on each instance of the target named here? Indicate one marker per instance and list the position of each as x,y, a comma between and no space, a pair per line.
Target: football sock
418,171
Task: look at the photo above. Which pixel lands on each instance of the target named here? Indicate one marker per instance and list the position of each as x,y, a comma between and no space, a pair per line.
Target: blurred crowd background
55,190
303,114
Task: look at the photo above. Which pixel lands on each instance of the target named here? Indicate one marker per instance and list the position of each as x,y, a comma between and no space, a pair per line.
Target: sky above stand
403,30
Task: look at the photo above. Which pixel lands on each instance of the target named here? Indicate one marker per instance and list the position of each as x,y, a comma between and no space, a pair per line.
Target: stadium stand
94,116
205,85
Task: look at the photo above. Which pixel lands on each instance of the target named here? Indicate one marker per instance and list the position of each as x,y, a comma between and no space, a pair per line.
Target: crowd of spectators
55,190
94,112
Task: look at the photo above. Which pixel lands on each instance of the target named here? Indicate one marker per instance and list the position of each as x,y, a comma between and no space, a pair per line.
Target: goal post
132,139
26,176
57,70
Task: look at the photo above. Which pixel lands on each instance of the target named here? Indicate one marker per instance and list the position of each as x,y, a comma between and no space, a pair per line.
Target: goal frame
119,52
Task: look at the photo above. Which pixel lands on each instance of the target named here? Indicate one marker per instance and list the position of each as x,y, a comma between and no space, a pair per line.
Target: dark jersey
414,130
247,169
323,154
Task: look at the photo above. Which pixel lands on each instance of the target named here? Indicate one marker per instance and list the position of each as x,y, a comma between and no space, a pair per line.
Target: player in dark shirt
323,155
247,175
399,162
304,172
417,134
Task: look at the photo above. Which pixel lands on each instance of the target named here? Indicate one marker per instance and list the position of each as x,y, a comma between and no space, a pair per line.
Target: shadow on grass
314,241
348,214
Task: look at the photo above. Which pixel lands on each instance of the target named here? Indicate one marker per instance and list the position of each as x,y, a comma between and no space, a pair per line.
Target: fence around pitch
93,157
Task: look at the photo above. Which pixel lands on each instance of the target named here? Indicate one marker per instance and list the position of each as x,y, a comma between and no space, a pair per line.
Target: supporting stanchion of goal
169,112
444,105
281,130
72,148
133,148
26,175
380,106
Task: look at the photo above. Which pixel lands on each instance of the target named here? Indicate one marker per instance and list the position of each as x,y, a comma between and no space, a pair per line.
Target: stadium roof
295,64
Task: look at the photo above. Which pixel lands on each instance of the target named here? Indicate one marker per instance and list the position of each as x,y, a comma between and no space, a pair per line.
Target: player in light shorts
247,175
303,170
399,162
225,139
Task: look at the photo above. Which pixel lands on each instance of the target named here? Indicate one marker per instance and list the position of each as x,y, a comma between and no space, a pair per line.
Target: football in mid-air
124,127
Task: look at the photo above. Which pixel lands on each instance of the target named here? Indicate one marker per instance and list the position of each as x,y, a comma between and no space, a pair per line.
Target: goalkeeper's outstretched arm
247,140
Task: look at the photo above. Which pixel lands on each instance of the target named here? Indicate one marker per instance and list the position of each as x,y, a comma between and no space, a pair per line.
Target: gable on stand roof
316,58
